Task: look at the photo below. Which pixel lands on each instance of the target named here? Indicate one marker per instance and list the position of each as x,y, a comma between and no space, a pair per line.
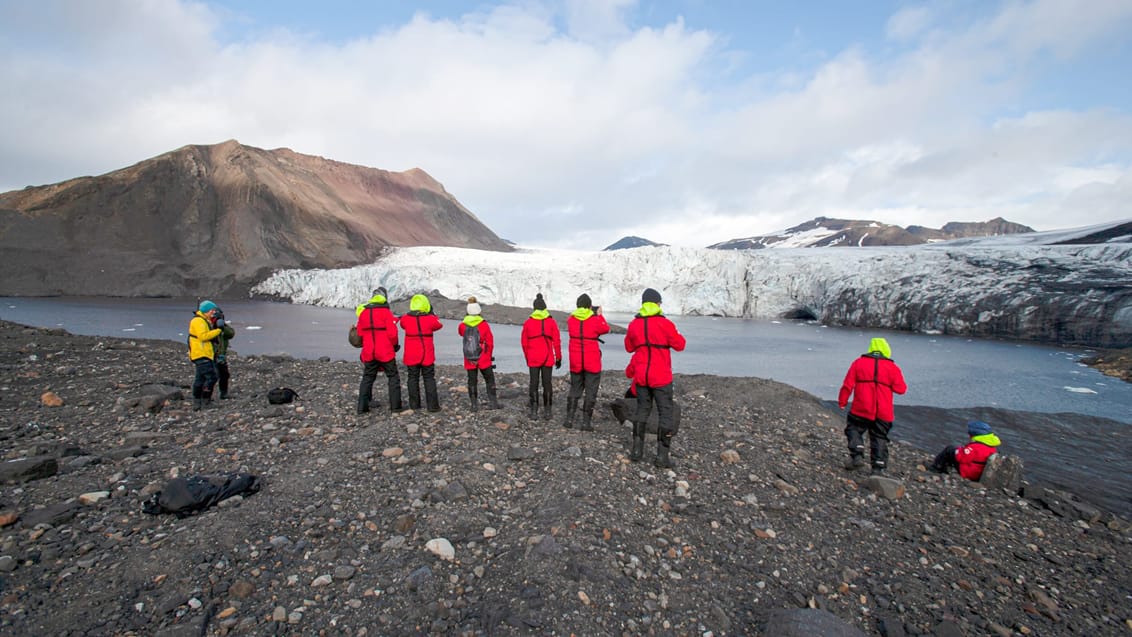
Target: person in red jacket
542,347
420,354
377,328
651,337
872,379
971,458
585,326
484,363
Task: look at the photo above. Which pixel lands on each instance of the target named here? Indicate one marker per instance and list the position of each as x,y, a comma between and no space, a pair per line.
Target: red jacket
874,379
487,346
541,341
585,351
651,340
378,328
419,327
972,458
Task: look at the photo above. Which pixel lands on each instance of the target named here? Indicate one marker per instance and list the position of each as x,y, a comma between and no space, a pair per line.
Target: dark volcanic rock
550,529
26,469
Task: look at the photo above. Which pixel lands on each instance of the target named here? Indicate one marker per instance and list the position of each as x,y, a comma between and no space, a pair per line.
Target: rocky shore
489,523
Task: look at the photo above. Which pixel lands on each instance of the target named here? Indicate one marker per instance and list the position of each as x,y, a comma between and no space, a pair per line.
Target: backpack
281,395
353,336
472,347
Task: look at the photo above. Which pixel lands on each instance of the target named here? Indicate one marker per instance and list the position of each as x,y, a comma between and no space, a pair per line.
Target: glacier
1016,287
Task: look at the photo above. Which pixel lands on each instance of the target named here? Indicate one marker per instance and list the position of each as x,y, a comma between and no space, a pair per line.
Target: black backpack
472,347
281,395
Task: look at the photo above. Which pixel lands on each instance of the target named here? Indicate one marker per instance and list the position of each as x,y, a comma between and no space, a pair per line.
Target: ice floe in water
1079,390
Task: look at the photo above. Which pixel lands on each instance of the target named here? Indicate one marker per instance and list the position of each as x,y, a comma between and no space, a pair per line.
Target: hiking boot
546,413
223,395
876,471
855,462
637,451
532,410
663,460
197,402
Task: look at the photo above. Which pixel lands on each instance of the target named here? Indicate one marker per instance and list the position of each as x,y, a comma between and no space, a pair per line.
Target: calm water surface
941,371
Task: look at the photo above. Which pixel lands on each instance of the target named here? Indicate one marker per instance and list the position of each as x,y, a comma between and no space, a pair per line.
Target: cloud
568,125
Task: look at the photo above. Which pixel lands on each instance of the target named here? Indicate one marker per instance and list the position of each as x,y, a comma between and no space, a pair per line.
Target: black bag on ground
185,496
281,395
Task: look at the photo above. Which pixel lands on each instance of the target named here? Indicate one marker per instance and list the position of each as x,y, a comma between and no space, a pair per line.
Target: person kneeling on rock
969,459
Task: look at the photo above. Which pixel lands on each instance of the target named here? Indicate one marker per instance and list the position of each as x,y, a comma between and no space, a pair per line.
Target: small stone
729,457
195,604
392,452
8,518
490,532
7,563
295,617
585,599
241,589
94,497
226,613
441,548
51,399
322,580
344,572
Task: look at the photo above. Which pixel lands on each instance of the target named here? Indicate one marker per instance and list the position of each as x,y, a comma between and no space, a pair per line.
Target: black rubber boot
547,409
663,447
197,403
492,401
638,449
571,409
474,397
587,417
879,454
856,461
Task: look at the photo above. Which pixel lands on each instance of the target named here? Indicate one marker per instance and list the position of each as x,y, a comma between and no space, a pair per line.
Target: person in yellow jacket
203,332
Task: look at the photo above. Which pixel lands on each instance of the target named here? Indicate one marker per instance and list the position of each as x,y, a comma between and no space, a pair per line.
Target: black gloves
220,322
396,347
558,364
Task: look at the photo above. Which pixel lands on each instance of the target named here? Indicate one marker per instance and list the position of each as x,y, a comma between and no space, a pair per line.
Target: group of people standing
871,382
650,338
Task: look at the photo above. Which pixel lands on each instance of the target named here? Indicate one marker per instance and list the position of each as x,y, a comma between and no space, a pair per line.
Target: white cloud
575,136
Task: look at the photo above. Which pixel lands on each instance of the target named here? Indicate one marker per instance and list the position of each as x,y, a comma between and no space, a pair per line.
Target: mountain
215,220
823,232
1024,287
625,243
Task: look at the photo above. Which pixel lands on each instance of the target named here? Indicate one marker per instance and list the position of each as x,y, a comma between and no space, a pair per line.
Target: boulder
28,469
807,622
1002,472
888,488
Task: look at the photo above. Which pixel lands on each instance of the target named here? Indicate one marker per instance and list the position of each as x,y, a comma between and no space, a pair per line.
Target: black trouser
946,460
541,375
488,381
855,429
204,378
432,400
662,396
225,376
586,382
369,375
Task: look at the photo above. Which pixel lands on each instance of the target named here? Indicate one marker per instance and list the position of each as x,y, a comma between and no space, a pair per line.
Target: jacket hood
376,299
540,314
473,320
582,313
419,303
880,346
650,309
989,440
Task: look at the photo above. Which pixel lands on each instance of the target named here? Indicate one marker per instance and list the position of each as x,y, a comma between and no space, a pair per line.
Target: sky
572,123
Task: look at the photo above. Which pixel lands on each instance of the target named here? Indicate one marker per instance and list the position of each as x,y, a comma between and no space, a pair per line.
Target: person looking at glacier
871,380
585,327
542,347
650,338
420,353
479,354
380,342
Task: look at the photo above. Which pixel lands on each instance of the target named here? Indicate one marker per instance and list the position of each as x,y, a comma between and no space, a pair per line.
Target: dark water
1020,387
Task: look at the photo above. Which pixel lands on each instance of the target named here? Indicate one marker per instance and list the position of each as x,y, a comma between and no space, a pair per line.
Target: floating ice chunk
254,327
1079,390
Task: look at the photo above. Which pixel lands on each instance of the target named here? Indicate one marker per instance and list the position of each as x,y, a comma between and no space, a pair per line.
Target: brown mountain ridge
216,219
823,232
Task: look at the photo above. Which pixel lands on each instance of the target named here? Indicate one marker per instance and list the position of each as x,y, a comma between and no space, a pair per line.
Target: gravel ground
491,523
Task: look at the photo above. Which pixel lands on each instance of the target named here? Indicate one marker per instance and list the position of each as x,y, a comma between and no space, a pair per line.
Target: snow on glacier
861,283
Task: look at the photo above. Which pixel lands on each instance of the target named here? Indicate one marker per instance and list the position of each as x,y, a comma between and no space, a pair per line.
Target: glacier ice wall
1064,294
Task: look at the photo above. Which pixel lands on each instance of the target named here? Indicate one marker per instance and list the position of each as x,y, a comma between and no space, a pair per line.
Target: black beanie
539,304
584,301
650,296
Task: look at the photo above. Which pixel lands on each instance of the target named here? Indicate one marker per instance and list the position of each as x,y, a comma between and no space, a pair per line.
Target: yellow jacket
201,335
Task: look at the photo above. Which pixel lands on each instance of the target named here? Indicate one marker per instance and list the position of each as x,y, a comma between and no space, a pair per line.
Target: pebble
322,580
441,548
729,456
392,452
279,614
490,532
344,572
